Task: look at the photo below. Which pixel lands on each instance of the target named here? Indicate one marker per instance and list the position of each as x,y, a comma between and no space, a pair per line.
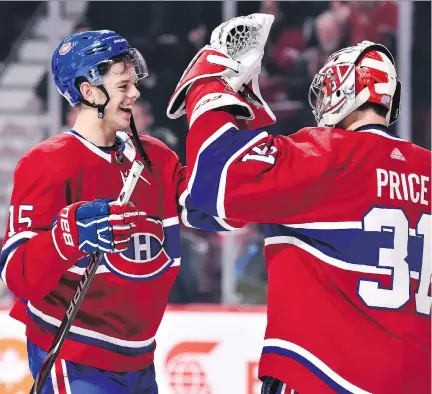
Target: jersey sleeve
251,176
189,215
29,263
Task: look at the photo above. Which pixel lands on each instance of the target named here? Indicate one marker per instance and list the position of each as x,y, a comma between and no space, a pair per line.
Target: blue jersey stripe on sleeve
172,241
6,252
194,218
211,163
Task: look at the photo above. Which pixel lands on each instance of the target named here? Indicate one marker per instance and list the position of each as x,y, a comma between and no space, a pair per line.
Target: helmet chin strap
99,107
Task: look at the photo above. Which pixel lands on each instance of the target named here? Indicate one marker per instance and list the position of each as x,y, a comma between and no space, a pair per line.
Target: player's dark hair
104,67
79,81
376,108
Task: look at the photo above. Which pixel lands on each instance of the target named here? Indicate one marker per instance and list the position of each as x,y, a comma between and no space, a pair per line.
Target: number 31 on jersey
395,297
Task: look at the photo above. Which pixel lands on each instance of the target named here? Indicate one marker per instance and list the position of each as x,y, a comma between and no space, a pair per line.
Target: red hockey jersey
347,221
118,319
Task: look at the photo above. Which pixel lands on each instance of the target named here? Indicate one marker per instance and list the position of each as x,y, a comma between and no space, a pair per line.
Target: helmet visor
133,65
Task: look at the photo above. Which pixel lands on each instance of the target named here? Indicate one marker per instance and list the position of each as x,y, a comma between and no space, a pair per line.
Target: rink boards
200,350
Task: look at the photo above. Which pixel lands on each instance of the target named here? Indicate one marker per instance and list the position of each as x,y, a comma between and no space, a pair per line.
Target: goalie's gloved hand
224,75
102,225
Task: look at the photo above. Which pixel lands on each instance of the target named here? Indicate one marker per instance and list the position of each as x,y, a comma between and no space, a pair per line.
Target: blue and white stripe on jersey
192,217
91,337
9,249
274,386
345,244
171,243
211,166
312,363
80,266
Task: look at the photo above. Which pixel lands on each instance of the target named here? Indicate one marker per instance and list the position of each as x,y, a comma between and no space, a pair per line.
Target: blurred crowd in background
303,35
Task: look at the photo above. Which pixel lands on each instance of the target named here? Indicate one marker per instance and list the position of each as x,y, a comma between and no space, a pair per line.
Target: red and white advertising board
200,350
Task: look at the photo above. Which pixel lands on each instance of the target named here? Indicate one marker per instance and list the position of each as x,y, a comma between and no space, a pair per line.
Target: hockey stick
81,291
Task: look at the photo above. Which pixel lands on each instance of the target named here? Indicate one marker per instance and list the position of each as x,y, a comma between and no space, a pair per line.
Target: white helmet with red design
351,77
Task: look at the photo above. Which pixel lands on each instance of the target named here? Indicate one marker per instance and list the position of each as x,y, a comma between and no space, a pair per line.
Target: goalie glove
234,59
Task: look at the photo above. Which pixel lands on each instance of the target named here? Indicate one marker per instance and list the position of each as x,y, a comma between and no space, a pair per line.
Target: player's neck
360,119
95,130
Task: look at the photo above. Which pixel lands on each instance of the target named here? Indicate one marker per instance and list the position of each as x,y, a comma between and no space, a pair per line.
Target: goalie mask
350,78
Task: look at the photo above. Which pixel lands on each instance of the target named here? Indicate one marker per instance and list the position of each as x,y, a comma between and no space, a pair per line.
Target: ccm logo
208,100
64,225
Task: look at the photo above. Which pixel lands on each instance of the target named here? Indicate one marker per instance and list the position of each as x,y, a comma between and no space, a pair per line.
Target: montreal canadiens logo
65,48
145,257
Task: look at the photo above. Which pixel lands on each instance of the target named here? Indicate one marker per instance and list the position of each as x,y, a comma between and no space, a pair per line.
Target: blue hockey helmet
83,55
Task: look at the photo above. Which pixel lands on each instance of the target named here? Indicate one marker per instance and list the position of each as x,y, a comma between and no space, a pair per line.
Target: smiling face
120,81
120,84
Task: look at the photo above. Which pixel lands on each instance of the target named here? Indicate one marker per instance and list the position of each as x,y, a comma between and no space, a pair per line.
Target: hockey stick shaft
81,291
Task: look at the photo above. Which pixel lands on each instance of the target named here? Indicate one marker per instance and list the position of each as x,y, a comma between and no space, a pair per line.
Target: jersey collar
378,129
123,144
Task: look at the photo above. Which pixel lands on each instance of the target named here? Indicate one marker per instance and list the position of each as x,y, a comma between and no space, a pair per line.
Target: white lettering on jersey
64,225
398,294
399,186
262,153
20,217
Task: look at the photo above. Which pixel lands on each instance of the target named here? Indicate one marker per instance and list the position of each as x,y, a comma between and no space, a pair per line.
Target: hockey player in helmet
63,209
352,80
99,69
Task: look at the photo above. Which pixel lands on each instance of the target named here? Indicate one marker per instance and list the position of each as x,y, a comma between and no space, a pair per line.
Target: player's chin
123,118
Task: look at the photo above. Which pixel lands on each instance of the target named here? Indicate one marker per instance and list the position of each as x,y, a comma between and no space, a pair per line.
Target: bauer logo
14,372
185,370
65,48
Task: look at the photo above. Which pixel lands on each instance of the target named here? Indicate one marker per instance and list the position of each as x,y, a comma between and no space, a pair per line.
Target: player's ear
87,91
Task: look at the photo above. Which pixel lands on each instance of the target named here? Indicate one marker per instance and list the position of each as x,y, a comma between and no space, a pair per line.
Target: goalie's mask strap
99,107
